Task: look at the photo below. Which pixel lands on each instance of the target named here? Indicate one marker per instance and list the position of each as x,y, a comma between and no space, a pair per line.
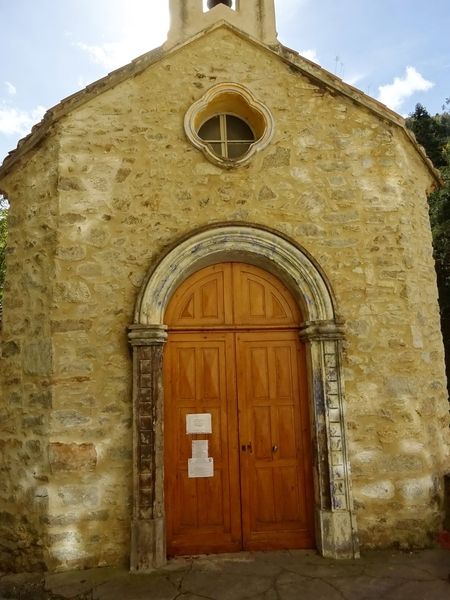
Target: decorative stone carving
333,467
148,539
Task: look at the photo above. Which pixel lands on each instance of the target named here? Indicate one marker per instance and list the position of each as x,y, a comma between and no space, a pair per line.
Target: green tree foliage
433,133
3,233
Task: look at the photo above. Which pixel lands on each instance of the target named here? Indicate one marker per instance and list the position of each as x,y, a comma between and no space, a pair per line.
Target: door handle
247,448
274,449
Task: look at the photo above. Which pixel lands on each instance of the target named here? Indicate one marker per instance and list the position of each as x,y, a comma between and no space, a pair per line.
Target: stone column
148,540
335,521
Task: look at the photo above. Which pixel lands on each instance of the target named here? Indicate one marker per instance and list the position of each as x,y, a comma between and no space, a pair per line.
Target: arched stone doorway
334,519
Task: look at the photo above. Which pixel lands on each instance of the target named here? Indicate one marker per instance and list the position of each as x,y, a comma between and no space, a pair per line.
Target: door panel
203,515
233,352
276,505
261,299
203,300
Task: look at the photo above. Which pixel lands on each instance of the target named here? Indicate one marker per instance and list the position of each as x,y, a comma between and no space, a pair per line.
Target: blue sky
396,50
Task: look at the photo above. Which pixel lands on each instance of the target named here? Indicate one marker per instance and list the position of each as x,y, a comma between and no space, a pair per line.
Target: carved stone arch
322,333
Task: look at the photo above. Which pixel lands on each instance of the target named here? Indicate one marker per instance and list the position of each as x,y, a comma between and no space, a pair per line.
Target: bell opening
209,4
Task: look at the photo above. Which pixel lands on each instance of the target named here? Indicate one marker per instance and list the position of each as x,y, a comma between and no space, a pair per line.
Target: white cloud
110,55
394,94
140,26
11,89
14,121
310,54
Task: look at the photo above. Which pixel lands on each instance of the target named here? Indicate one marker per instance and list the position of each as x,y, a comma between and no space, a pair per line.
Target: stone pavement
287,575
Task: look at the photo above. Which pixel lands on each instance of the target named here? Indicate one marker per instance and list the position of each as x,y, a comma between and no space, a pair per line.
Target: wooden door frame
322,332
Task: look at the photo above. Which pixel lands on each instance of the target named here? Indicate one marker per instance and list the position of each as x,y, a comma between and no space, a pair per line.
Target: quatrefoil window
229,125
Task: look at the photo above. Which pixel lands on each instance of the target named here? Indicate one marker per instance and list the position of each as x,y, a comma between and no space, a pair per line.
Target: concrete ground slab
288,575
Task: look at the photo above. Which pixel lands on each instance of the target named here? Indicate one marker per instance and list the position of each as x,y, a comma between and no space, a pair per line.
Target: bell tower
254,17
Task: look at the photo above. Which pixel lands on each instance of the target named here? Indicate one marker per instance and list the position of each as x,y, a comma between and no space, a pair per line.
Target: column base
148,545
337,537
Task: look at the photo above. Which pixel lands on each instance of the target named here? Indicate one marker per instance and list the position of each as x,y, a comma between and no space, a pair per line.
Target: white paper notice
200,423
200,467
199,448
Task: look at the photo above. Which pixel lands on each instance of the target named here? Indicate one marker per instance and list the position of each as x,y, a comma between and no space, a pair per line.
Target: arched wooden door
233,353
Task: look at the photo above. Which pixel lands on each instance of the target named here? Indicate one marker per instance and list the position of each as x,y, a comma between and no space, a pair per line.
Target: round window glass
227,136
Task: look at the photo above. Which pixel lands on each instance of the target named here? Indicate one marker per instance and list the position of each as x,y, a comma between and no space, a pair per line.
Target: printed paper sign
200,467
200,423
199,448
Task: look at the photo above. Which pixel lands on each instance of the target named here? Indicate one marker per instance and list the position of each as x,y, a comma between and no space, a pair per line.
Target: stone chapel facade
220,242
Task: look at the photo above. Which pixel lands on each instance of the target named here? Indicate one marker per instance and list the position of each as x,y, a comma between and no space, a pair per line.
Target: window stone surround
236,100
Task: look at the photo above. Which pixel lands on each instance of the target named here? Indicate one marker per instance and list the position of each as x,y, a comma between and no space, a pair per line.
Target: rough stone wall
26,362
344,184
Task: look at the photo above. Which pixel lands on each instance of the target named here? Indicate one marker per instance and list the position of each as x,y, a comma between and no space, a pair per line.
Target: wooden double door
234,353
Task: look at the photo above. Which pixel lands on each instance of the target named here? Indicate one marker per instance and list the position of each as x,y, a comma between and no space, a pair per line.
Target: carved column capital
312,331
147,335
